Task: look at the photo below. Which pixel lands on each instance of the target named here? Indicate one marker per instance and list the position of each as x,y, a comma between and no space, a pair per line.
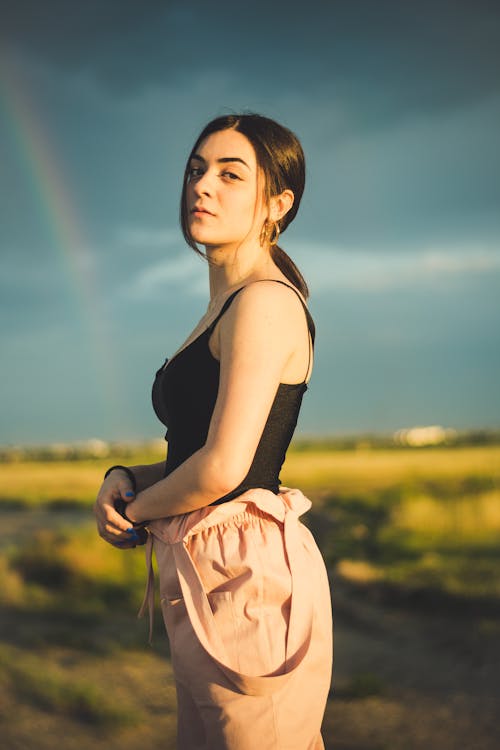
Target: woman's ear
281,204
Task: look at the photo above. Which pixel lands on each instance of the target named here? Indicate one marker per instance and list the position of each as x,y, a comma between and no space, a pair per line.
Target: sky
397,105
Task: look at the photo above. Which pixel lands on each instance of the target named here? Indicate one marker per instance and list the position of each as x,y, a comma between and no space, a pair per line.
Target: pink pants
246,603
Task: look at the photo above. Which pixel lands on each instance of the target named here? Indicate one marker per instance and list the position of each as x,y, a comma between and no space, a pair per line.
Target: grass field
411,541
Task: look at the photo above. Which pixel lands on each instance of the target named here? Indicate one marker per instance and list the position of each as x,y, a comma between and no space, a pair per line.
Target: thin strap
223,309
310,322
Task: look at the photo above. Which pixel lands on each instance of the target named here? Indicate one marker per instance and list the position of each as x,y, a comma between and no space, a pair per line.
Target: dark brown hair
281,159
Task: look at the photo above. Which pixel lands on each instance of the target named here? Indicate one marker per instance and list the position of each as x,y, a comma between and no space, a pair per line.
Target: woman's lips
200,211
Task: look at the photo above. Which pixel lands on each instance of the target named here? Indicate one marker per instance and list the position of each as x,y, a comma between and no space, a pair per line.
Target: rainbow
53,202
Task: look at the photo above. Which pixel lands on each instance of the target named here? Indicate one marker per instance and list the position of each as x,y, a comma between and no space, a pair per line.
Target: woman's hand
112,527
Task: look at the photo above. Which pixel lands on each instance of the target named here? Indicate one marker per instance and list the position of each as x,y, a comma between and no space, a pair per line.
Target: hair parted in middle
280,156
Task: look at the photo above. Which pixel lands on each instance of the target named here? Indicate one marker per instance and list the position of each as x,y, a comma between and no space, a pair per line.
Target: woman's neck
226,274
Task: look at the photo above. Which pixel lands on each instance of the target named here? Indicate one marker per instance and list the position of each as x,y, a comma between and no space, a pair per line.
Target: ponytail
289,269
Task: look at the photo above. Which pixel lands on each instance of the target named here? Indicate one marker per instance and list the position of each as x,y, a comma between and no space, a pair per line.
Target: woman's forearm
197,482
147,474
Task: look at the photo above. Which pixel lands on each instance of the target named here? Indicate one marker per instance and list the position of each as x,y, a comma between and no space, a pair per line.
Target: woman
244,591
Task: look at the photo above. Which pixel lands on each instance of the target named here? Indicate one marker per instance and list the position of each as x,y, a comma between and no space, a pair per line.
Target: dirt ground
412,675
406,677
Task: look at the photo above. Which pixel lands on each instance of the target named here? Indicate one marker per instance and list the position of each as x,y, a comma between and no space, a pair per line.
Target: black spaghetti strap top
184,395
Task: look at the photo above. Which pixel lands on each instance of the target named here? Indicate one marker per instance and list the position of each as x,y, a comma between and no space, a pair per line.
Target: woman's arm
147,474
258,335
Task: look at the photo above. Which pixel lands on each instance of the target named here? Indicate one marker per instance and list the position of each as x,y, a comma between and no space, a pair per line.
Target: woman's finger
126,491
106,514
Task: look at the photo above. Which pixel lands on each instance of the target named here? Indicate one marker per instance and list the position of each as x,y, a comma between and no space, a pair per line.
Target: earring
274,234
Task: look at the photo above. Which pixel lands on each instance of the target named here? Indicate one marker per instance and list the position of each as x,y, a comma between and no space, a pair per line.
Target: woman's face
224,191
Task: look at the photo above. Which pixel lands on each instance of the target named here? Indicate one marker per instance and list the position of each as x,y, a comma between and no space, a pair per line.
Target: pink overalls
246,603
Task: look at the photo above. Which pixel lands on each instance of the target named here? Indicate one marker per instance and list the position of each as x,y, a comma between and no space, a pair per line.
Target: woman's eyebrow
222,160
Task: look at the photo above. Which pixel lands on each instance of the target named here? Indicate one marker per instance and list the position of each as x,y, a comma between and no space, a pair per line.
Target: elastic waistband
179,528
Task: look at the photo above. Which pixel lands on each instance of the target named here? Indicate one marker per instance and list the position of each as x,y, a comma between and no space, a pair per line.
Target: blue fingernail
129,494
131,530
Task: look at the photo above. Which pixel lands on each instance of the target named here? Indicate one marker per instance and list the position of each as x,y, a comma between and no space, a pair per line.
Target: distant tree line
99,449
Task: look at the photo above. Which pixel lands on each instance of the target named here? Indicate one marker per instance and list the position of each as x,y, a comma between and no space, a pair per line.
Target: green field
412,532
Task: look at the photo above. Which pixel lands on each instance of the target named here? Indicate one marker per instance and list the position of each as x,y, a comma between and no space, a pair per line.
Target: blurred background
397,106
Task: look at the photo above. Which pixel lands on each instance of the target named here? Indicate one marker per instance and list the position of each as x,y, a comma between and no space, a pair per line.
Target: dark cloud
116,41
356,80
377,58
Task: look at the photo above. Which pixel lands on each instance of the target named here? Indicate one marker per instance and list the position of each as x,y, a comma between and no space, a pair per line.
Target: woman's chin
200,236
209,242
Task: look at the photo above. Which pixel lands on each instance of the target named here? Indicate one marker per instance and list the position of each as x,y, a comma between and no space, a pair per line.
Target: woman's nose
203,184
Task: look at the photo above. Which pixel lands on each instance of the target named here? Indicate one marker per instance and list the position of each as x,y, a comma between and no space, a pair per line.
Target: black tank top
184,395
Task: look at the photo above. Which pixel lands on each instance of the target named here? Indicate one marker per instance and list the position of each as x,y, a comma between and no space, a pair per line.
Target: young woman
244,590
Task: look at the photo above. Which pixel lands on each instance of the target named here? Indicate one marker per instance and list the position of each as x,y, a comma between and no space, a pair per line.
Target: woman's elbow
222,473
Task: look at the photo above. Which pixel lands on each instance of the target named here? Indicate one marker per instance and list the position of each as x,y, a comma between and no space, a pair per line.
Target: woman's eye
231,175
194,172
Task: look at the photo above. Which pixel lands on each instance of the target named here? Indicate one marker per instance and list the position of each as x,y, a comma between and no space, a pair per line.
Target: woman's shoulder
264,307
271,293
264,322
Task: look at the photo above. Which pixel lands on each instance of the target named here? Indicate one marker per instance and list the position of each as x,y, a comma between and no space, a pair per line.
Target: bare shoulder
267,299
265,317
